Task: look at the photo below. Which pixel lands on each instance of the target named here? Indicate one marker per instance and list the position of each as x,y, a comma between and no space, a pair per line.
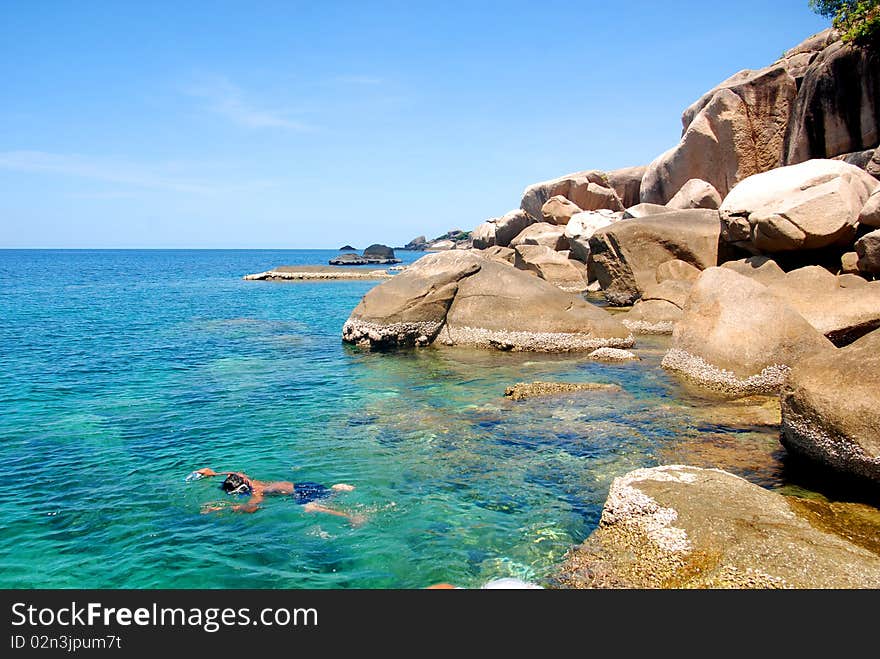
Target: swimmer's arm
207,472
252,506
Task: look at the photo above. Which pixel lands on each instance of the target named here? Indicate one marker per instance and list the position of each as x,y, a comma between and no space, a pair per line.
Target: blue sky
306,124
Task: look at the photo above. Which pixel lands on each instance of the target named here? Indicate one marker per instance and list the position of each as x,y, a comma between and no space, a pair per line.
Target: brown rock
849,263
762,269
624,256
644,210
870,213
542,233
841,314
627,183
509,226
738,338
838,105
581,228
830,410
676,269
551,266
685,527
524,390
695,193
807,206
506,308
868,251
500,254
558,210
462,298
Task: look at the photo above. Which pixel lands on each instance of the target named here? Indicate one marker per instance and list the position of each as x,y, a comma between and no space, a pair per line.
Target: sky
314,124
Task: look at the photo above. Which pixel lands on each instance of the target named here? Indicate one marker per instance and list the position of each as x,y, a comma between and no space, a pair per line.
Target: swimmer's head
237,484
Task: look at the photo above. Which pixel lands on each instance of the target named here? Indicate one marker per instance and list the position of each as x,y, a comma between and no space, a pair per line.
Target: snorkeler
303,493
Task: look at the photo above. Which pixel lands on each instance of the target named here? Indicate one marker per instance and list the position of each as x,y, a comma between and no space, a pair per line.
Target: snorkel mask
236,484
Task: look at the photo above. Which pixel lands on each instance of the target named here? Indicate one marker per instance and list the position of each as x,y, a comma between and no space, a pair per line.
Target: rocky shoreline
755,243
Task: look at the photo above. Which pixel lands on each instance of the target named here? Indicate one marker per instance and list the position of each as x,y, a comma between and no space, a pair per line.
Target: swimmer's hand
212,508
194,476
342,487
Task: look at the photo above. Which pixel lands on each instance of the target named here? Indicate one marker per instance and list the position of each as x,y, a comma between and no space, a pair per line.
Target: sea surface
123,371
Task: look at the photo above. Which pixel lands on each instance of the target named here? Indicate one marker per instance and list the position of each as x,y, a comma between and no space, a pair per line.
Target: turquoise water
123,371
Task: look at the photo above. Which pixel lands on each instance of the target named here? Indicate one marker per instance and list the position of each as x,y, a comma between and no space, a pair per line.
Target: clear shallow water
123,371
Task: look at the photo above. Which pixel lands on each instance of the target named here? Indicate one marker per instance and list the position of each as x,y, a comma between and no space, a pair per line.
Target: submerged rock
523,390
686,527
830,410
612,355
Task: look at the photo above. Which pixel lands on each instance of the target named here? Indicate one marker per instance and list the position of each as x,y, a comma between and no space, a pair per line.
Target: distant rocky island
754,243
373,255
454,239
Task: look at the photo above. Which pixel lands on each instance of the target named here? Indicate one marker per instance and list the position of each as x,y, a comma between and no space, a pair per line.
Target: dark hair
236,484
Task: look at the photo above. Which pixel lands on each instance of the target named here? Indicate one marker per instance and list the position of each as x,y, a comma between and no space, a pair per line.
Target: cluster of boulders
453,239
373,255
754,242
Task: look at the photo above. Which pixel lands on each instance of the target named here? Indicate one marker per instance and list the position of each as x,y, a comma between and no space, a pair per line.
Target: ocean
122,371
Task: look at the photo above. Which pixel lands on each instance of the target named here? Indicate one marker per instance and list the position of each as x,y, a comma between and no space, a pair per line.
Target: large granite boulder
581,227
685,527
737,338
500,254
484,234
659,309
644,210
843,314
735,130
378,251
811,205
410,308
837,109
417,244
831,408
870,213
695,193
542,233
768,95
558,210
589,190
551,266
461,298
624,256
762,269
509,226
868,250
627,183
508,309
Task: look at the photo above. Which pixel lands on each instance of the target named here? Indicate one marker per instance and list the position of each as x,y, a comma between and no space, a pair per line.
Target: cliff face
821,99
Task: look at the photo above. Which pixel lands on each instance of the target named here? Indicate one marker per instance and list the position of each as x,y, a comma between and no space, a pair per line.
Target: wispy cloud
229,100
100,169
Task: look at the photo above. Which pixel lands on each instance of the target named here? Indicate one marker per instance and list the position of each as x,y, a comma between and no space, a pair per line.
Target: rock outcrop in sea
464,298
685,527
